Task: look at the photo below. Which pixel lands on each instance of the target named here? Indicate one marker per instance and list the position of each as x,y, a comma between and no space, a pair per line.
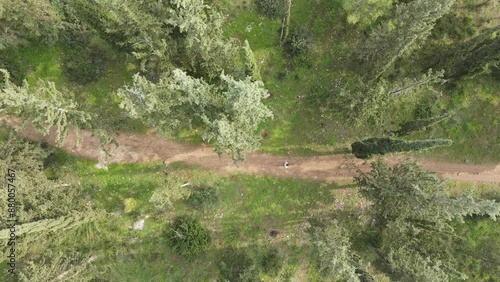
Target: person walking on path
286,164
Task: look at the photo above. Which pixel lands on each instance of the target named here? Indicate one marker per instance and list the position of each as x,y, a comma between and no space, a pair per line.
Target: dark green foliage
298,42
454,26
271,261
187,237
471,57
16,70
420,124
413,210
237,265
88,57
271,8
381,146
203,197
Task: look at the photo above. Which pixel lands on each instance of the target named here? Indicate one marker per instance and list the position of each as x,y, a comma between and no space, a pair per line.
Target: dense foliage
188,237
380,146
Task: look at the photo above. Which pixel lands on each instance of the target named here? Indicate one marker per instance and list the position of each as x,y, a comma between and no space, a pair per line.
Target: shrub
187,237
271,8
203,197
298,42
271,261
164,197
237,265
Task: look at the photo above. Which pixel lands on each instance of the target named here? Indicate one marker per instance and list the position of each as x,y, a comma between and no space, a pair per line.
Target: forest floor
143,148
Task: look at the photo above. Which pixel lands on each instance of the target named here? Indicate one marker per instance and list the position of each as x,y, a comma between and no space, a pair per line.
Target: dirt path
136,148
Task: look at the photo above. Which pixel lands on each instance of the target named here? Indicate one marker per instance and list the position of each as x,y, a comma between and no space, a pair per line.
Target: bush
187,237
271,8
237,265
271,261
203,197
13,66
298,42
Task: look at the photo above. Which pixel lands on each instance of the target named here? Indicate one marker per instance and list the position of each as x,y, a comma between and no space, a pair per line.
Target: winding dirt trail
137,148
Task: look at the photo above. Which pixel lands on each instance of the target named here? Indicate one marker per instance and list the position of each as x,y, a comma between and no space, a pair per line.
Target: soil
137,148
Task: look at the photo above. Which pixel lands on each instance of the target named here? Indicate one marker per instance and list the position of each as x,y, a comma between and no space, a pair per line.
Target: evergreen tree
381,146
251,67
23,20
229,112
413,209
411,25
471,57
368,102
333,250
285,26
44,105
420,124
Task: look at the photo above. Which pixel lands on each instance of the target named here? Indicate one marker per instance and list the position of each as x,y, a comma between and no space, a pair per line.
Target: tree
333,250
187,237
420,124
366,12
471,57
285,25
24,20
367,102
251,67
184,34
398,37
381,146
229,112
44,105
413,209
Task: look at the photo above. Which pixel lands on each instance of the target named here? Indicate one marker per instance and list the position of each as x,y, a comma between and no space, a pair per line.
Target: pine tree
44,105
413,210
420,124
368,102
24,20
411,25
381,146
285,26
471,57
251,67
333,250
229,112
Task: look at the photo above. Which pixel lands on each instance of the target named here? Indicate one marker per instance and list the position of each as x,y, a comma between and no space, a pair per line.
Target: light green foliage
182,33
44,105
230,111
251,67
380,146
129,205
23,20
406,192
366,12
368,102
396,38
164,196
333,250
37,197
58,267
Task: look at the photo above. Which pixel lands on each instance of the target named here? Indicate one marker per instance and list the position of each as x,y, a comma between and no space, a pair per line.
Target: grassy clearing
248,209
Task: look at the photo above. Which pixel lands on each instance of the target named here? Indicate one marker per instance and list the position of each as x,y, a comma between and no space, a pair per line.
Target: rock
139,225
